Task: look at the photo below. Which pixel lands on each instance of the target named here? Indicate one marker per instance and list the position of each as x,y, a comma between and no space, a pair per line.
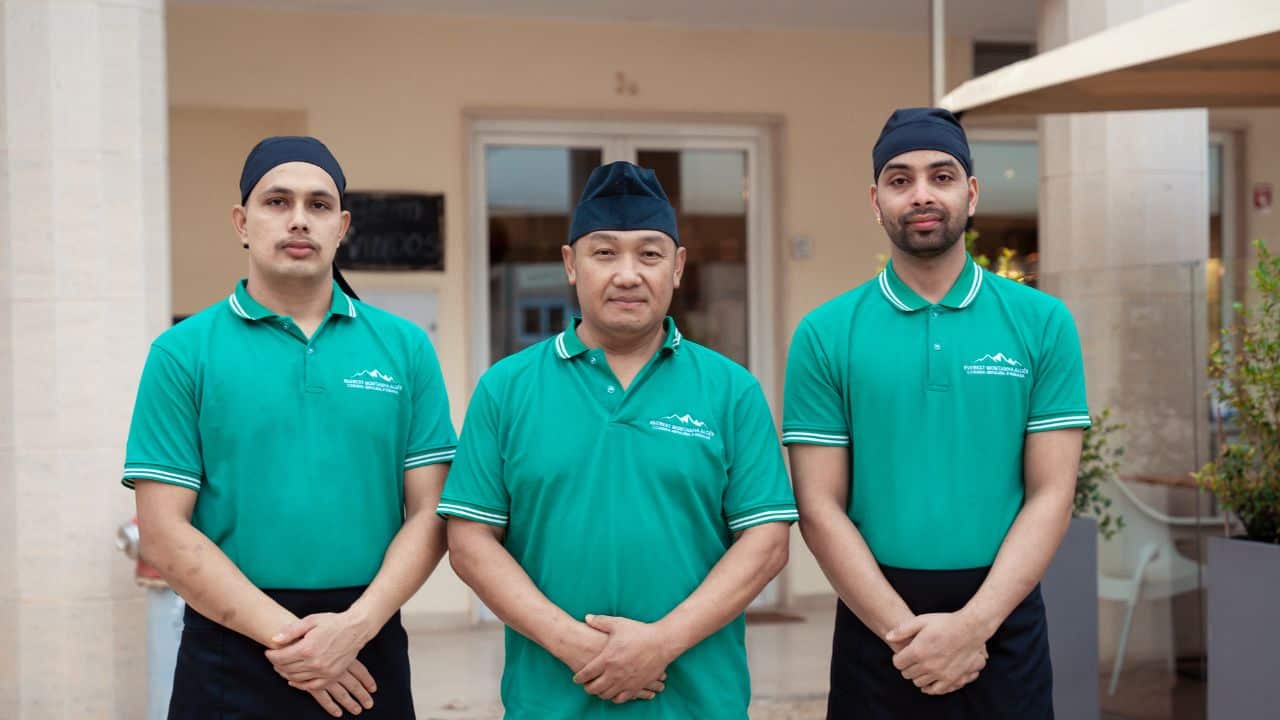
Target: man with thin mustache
933,416
288,447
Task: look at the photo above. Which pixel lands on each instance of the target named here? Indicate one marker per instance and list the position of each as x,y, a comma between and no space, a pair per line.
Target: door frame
619,140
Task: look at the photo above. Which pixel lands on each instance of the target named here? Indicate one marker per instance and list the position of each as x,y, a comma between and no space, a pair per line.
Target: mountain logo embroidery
998,364
375,380
685,424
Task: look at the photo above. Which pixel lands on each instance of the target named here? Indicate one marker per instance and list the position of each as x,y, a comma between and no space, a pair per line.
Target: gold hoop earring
879,220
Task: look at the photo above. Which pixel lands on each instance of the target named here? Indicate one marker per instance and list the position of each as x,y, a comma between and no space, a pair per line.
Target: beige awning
1200,53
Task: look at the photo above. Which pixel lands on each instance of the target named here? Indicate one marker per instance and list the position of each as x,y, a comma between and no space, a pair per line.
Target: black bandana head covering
924,128
275,151
622,196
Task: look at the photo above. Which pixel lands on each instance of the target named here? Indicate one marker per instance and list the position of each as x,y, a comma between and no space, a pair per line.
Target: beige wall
390,94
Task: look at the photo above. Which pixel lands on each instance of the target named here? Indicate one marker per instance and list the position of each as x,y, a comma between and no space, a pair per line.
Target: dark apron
223,675
1016,684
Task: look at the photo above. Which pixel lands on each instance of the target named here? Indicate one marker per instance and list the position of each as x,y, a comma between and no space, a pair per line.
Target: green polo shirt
620,503
296,447
935,402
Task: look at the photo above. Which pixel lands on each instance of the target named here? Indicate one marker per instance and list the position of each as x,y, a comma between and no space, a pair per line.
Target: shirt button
936,346
612,389
311,351
936,313
593,361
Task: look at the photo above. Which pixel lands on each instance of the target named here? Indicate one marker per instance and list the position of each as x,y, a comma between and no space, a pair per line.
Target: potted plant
1070,584
1243,576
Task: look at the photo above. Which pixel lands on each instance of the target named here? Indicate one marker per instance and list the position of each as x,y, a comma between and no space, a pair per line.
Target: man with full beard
934,418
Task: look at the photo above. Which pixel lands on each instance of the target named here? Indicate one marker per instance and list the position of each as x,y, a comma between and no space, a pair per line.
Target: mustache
925,214
298,239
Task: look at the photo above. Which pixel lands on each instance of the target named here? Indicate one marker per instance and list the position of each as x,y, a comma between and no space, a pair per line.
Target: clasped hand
621,660
317,654
939,652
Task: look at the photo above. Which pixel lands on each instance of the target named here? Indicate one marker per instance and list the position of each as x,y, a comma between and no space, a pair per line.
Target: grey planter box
1244,629
1070,589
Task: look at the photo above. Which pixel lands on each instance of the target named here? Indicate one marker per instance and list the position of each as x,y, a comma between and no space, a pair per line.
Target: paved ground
455,673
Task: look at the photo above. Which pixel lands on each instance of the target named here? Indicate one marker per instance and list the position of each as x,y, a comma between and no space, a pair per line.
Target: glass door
527,175
529,195
708,188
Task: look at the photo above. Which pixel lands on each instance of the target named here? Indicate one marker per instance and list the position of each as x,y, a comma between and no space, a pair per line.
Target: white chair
1148,565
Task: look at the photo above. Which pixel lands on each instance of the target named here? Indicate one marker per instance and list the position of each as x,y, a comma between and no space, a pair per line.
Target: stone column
1124,230
84,287
1123,221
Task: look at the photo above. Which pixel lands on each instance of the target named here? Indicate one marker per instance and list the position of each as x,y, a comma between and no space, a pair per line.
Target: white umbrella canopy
1201,53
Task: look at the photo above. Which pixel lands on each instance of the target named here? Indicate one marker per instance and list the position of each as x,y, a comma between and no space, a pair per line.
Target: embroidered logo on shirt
998,364
685,425
375,380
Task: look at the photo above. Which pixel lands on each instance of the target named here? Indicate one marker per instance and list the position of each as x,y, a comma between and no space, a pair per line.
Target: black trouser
223,675
1016,684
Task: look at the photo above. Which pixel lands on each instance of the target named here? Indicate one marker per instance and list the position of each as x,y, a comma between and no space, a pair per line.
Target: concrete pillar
1123,221
84,276
1124,231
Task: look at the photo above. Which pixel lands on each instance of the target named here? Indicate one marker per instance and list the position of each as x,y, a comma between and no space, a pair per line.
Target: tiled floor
456,673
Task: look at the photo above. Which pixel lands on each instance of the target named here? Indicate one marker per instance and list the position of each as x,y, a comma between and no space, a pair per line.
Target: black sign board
393,231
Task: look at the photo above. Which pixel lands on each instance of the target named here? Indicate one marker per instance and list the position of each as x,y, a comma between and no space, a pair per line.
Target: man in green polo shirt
288,447
933,416
619,495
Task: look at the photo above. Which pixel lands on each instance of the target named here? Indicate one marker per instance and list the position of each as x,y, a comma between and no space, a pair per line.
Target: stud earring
246,246
879,221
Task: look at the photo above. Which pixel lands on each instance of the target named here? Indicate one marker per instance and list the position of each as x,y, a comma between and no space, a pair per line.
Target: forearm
209,582
751,562
497,579
409,561
852,570
1022,560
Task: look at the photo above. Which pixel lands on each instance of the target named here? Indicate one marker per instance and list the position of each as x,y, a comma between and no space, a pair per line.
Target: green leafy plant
1245,364
1099,462
1005,266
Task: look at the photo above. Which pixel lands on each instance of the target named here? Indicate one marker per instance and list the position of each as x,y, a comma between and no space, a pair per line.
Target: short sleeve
431,436
164,435
813,406
1058,397
476,488
758,490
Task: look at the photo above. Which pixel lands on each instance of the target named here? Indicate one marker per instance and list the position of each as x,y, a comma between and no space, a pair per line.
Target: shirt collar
961,295
568,345
243,304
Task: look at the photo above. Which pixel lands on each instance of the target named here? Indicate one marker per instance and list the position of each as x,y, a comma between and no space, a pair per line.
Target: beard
929,244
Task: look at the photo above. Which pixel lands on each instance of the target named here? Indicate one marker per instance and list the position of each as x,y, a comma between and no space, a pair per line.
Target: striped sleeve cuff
1060,422
759,517
166,475
428,457
453,508
814,437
